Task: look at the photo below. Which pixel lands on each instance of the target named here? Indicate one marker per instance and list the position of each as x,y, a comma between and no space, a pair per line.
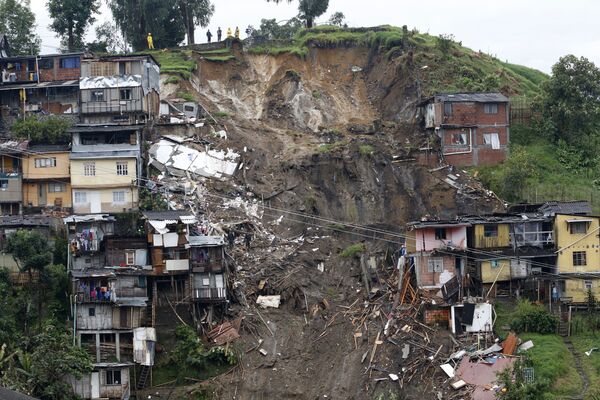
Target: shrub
366,150
353,250
187,96
50,130
172,79
533,318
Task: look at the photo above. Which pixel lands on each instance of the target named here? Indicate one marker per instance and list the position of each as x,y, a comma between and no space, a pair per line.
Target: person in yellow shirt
229,33
237,32
150,41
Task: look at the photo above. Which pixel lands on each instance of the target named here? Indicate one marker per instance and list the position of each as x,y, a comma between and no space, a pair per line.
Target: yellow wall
31,194
576,289
60,171
502,240
568,243
106,200
489,274
106,173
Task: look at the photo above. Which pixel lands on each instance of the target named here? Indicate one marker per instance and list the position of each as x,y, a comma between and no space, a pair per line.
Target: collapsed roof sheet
115,81
179,158
88,218
206,241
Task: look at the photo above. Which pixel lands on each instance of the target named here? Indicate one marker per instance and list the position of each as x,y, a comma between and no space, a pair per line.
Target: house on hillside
437,250
578,257
44,84
473,128
11,176
46,177
122,90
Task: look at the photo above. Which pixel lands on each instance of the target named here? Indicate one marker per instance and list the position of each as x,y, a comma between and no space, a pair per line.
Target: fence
541,193
521,111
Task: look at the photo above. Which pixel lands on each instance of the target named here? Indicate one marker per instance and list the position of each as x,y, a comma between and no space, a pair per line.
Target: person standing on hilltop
208,35
150,41
237,32
229,36
219,33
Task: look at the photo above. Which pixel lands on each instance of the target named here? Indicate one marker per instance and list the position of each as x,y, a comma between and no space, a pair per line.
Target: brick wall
59,74
437,316
469,113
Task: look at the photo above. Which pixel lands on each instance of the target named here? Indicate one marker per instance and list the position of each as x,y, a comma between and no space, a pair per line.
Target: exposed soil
328,138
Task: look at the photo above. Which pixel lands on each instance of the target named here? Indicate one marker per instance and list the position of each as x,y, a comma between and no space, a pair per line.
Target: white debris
448,369
394,377
222,134
356,68
269,301
525,346
263,352
458,384
321,267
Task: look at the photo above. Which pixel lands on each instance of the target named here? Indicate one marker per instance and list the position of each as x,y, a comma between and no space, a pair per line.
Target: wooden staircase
143,378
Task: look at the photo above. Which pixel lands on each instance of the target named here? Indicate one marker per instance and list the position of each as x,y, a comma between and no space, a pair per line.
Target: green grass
221,114
223,58
172,79
461,69
175,62
553,361
353,250
590,364
187,96
366,150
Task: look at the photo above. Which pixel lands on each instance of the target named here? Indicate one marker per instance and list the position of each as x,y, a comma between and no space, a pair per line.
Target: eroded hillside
326,142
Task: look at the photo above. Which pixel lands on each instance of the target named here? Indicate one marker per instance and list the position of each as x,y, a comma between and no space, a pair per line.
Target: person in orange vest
150,41
237,32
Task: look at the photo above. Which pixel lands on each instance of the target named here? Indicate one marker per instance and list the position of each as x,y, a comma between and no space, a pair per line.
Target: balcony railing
533,238
88,297
210,294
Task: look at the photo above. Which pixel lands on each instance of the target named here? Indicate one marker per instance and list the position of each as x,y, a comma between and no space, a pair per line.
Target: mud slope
329,136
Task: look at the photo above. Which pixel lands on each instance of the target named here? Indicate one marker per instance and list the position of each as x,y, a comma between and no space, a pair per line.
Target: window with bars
89,169
125,94
122,168
80,197
579,258
130,257
435,265
119,197
45,162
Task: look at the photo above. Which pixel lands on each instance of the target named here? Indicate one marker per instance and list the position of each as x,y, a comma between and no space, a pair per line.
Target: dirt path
579,369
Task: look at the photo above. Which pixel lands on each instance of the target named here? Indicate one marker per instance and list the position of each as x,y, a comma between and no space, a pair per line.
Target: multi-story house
105,163
578,256
473,128
438,251
35,84
46,177
112,319
11,176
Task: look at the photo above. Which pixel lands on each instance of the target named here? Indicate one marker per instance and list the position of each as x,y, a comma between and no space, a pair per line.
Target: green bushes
353,250
533,318
50,130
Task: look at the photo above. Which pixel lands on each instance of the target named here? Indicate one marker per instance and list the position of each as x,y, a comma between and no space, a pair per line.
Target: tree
309,9
193,13
137,18
270,29
337,18
29,249
70,19
570,100
108,40
17,21
49,130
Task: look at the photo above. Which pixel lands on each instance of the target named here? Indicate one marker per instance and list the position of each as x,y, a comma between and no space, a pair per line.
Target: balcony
88,297
210,294
533,238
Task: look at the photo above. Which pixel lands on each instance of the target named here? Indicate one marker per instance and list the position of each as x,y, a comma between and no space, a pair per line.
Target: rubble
269,301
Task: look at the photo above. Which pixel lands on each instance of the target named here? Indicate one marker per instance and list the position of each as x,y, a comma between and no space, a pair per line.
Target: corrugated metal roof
476,97
23,220
48,148
566,207
43,85
198,241
88,218
167,215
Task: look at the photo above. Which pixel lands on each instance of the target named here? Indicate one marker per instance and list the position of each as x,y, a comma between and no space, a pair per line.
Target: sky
535,33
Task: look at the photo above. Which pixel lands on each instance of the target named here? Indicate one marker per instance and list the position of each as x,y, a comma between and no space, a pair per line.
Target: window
80,197
89,169
189,108
46,63
120,118
579,258
491,139
113,377
69,62
125,94
576,227
57,187
98,95
119,197
45,162
205,280
130,257
490,108
141,281
490,231
435,265
92,311
440,233
3,183
122,168
495,263
447,108
459,139
587,285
